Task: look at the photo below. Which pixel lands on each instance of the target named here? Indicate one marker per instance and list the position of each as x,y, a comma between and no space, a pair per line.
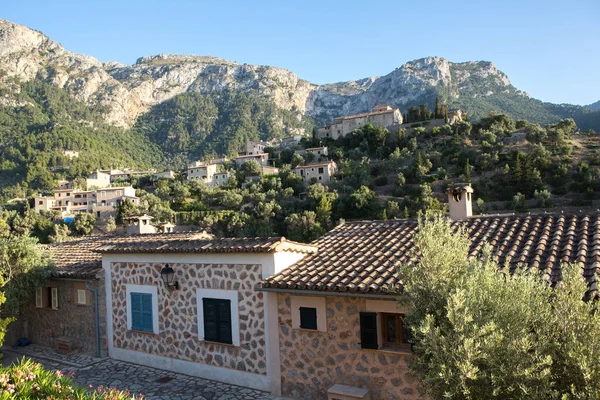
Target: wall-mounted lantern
168,276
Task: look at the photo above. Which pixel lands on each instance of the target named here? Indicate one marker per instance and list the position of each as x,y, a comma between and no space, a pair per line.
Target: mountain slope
594,106
126,92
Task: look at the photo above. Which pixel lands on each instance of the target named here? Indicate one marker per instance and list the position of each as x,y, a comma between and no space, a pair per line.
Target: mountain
594,106
126,92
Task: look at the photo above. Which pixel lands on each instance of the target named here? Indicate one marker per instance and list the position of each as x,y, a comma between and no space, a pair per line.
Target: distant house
98,179
101,202
164,175
261,158
321,171
316,151
381,116
291,141
208,173
71,153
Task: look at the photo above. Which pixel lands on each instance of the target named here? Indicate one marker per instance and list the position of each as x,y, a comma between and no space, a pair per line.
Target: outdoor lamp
168,275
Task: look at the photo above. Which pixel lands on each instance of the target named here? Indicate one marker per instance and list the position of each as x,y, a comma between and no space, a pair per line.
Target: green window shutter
308,318
217,320
368,330
141,312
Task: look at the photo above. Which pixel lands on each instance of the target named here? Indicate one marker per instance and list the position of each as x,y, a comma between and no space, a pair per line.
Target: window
308,318
368,330
395,332
141,312
218,316
321,170
142,308
217,320
81,297
46,297
40,202
39,297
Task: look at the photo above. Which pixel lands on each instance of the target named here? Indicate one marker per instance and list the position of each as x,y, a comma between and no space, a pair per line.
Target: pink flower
58,373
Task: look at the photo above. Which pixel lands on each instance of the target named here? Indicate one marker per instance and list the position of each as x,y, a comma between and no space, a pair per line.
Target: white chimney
460,202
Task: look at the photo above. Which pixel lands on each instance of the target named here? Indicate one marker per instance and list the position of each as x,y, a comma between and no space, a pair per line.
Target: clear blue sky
549,48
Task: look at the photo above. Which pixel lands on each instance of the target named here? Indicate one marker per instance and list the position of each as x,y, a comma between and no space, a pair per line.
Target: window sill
219,343
391,350
142,332
309,330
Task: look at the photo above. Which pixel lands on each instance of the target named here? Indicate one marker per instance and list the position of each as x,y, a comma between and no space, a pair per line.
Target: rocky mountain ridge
127,91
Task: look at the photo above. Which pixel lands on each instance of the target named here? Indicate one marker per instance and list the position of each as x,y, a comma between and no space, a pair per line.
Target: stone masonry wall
178,316
71,320
312,361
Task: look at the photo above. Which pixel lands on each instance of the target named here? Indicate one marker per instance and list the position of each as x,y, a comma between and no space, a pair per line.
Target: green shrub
29,380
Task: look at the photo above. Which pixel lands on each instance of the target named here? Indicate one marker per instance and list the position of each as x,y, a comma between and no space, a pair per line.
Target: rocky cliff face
128,91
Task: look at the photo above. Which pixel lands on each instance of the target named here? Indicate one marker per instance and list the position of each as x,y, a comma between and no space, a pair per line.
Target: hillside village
189,227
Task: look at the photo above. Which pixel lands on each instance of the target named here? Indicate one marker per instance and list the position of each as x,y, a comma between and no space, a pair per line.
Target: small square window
308,318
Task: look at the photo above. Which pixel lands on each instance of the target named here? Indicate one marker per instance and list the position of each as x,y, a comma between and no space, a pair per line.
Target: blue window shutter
141,312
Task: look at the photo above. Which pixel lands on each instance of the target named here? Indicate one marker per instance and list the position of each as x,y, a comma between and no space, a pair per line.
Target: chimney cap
458,188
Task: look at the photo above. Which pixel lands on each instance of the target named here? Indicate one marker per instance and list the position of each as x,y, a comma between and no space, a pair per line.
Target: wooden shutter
225,321
141,312
81,296
308,318
217,320
39,299
147,320
54,297
368,330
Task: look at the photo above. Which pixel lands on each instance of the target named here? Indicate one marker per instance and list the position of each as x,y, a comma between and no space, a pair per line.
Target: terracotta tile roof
363,256
225,245
79,258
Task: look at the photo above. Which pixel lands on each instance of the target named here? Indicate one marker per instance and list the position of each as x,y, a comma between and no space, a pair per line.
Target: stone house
340,322
321,171
381,116
319,153
69,312
98,179
208,321
209,173
261,158
101,202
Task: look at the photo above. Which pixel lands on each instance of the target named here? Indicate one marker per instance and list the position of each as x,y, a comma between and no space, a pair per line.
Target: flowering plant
29,380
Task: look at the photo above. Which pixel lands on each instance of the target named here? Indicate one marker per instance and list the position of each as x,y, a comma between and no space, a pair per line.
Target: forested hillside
45,122
194,126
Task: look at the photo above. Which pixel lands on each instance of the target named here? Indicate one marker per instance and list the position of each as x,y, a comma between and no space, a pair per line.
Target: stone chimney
139,225
460,201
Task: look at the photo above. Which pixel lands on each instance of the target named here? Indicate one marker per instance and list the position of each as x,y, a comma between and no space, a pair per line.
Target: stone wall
74,321
177,314
312,361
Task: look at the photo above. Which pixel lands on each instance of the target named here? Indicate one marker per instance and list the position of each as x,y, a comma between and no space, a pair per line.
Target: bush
29,380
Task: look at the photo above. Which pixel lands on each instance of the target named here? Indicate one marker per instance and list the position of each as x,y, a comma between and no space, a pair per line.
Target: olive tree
481,332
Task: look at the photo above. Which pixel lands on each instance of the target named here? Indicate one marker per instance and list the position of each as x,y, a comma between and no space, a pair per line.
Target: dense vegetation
34,135
480,333
192,126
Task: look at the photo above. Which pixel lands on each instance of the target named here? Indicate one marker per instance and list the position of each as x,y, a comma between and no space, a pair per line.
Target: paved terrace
153,383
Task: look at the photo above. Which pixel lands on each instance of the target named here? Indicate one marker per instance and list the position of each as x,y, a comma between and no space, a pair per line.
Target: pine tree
438,110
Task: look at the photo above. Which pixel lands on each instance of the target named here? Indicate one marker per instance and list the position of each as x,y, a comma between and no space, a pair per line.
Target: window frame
304,324
146,289
399,339
232,296
79,292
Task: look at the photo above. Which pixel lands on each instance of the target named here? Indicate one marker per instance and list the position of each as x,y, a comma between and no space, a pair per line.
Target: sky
549,48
